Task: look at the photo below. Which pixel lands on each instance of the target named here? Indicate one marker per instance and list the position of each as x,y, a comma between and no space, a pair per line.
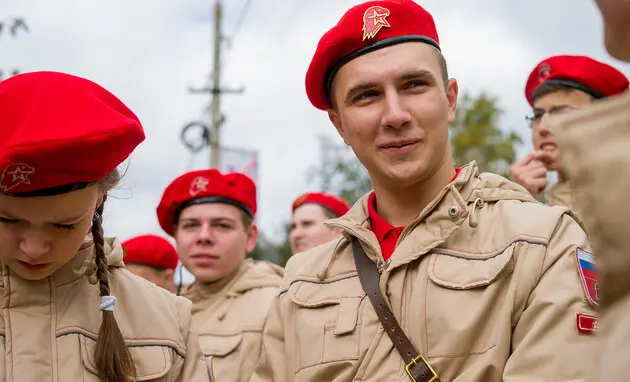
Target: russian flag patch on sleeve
588,274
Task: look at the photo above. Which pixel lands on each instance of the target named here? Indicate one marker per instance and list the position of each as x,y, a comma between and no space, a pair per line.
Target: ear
168,275
452,92
334,117
252,238
99,199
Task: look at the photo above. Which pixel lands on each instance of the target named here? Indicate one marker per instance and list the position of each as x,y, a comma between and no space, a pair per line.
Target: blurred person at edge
481,277
309,212
594,151
558,84
211,216
71,312
153,258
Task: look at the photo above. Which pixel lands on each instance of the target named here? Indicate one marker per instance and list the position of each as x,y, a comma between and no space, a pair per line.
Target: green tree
11,27
340,172
476,135
277,251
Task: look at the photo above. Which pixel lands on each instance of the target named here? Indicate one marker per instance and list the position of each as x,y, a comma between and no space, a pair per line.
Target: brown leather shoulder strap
417,367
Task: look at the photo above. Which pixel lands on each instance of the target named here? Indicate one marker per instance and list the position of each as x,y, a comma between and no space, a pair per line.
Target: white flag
240,160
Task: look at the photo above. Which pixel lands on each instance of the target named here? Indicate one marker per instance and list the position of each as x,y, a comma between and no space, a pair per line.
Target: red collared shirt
386,233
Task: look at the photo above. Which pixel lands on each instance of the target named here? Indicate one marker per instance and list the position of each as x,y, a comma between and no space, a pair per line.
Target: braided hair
113,358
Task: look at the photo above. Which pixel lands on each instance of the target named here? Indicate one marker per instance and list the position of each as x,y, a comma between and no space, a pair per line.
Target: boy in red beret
70,311
439,274
309,212
211,216
594,150
559,84
153,258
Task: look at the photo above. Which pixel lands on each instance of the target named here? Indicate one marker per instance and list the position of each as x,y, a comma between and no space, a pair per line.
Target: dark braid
113,358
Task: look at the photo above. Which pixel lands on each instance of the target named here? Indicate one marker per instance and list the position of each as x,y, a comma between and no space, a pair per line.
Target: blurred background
190,68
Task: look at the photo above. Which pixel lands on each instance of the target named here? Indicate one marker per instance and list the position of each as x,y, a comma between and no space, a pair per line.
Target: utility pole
216,118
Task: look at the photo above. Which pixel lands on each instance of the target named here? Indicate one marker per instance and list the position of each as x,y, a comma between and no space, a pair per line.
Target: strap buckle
414,362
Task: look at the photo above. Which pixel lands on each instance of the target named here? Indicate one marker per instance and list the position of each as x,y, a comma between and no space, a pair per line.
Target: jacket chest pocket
153,362
466,302
221,352
327,322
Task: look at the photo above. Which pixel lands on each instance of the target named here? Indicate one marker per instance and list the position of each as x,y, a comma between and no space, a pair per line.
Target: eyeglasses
537,114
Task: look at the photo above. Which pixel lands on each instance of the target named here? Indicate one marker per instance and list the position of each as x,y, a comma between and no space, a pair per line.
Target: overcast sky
148,52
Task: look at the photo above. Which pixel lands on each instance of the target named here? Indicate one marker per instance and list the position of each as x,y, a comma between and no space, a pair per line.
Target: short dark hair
246,219
443,66
549,87
330,214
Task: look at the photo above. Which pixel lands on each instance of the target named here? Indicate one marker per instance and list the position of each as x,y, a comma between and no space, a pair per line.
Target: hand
531,173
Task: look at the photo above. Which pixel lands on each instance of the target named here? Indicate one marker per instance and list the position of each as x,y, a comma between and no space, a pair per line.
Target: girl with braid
70,311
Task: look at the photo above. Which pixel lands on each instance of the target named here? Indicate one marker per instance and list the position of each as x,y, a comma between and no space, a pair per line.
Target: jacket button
453,212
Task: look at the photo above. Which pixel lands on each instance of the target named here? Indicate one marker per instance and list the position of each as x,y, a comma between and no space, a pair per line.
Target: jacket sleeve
272,364
195,367
546,343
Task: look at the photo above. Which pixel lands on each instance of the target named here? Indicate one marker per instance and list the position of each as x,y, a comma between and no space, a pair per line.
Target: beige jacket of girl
49,327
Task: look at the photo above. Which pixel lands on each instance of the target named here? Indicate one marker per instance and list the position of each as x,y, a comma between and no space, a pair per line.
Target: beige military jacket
560,195
484,283
595,147
49,327
230,316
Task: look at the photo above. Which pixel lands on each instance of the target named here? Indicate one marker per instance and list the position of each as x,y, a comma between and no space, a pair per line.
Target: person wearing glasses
557,84
594,149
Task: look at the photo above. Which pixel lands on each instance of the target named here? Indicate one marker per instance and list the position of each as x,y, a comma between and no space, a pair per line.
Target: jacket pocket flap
462,273
152,361
314,295
219,345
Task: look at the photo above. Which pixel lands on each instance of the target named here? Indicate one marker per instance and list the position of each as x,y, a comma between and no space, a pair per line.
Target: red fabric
203,183
586,71
58,129
386,234
150,250
333,203
360,26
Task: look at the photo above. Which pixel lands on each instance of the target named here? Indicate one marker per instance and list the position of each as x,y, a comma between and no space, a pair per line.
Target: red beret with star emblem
337,205
205,186
363,29
60,133
151,250
579,72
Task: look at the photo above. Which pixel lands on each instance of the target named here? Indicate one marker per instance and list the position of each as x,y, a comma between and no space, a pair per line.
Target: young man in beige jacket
594,144
441,272
211,216
308,214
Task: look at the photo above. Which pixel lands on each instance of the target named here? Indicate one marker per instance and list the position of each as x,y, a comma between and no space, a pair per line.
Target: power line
241,18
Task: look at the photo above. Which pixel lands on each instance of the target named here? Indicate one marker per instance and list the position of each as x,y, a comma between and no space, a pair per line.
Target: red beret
328,201
362,29
150,250
205,186
60,132
580,72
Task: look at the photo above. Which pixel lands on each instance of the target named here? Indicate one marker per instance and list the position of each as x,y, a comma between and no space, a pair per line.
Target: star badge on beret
374,19
14,175
299,201
544,71
198,185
